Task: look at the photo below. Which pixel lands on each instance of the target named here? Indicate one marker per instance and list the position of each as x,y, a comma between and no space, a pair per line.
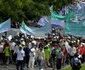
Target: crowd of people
29,52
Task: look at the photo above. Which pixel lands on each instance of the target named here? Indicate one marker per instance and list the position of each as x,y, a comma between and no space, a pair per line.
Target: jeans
64,62
53,63
58,65
1,57
40,64
7,60
27,60
19,65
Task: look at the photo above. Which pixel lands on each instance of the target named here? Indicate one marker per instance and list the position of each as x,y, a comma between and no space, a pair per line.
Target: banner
26,30
42,21
75,28
5,26
40,32
58,23
55,16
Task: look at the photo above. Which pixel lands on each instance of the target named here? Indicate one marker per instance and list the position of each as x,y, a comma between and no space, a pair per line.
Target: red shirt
84,50
81,50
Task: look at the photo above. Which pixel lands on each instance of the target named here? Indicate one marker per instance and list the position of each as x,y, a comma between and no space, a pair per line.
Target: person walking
32,59
75,63
7,52
1,52
53,58
27,54
20,58
41,56
47,54
59,59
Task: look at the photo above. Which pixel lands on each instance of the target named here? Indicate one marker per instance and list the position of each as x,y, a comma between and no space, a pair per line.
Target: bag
76,64
53,53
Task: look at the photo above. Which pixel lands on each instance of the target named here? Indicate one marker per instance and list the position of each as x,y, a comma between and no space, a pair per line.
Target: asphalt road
13,67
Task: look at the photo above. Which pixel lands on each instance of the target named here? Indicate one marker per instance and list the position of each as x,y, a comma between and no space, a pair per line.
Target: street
13,67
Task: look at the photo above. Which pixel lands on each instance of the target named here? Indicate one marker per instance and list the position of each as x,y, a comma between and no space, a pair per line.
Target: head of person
27,45
45,42
20,48
18,43
76,55
41,49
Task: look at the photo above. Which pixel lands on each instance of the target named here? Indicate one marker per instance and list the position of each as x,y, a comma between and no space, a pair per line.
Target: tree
28,9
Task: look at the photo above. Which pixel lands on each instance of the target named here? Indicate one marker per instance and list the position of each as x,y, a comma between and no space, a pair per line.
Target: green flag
56,16
75,28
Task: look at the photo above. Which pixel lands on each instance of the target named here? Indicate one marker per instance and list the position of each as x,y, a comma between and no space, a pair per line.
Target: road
13,67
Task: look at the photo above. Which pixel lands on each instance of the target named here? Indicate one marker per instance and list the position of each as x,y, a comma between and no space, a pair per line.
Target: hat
22,39
34,42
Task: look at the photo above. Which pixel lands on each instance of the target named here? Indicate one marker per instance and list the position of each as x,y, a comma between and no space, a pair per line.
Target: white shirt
16,49
41,55
1,48
67,46
72,51
20,55
30,45
36,52
12,45
32,54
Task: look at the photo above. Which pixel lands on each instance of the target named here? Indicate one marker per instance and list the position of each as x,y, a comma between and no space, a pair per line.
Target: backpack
53,53
76,64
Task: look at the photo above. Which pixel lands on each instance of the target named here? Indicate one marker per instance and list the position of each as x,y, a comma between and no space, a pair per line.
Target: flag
66,10
58,23
42,21
26,30
56,16
78,5
75,28
81,3
51,8
5,26
43,30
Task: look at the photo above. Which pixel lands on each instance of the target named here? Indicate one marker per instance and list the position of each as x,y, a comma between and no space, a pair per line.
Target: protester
20,57
47,54
53,57
59,59
7,52
32,59
27,54
75,63
41,56
12,46
72,50
1,53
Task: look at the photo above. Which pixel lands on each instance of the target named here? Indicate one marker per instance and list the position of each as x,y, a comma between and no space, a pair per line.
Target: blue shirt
27,51
75,60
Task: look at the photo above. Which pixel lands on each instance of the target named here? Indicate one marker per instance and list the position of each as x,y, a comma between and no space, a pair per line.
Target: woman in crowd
7,53
41,56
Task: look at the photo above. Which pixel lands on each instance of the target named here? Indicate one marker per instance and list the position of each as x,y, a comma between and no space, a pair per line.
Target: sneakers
7,66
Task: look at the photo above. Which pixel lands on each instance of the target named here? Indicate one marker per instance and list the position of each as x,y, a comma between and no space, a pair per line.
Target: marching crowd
25,51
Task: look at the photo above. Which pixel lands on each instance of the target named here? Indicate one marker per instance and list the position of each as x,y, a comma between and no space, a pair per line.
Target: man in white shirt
41,57
72,51
20,58
12,45
32,59
16,49
1,52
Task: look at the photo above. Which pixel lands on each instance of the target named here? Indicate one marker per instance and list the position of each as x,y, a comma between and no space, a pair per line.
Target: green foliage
28,9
